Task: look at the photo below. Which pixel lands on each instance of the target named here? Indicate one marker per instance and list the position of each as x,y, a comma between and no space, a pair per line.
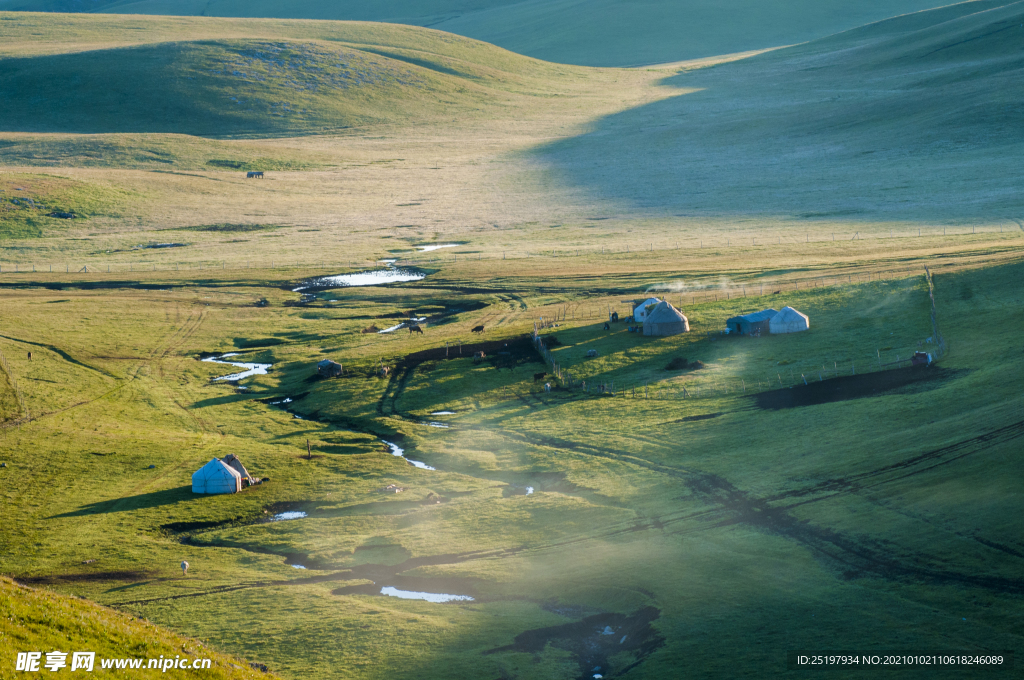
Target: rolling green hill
260,78
914,117
591,32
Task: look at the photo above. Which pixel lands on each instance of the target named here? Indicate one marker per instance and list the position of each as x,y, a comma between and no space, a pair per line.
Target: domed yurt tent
641,308
788,321
216,477
665,320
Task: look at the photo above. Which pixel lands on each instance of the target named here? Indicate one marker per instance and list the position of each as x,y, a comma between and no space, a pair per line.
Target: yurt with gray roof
789,321
665,320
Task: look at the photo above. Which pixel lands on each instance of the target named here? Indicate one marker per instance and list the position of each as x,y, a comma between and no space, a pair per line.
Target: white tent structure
640,308
216,477
788,321
665,320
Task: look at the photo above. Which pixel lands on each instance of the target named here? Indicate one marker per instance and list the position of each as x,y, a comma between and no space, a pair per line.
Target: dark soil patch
703,416
596,638
185,527
850,387
127,575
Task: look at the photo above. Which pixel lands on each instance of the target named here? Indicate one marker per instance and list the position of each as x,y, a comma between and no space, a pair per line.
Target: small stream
400,452
429,597
250,369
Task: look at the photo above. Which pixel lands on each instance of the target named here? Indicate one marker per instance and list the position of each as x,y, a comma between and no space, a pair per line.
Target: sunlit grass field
637,501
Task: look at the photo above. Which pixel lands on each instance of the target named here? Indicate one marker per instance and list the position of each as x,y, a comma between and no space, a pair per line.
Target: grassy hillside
34,620
591,32
340,76
912,117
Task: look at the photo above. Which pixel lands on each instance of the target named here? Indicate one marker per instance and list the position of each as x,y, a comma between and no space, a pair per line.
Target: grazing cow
30,356
539,376
184,568
547,387
384,370
478,329
258,174
478,357
415,329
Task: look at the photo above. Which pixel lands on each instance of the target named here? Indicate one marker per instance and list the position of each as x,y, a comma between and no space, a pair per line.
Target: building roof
754,317
665,313
789,320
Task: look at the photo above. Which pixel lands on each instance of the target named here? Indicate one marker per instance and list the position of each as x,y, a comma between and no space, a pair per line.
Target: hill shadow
883,123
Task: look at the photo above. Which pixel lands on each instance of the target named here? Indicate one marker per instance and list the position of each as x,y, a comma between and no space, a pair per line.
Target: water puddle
434,423
403,324
286,400
371,278
282,516
427,249
298,566
250,369
443,413
400,452
429,597
529,490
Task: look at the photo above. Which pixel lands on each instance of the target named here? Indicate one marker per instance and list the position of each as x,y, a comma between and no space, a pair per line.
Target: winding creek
250,369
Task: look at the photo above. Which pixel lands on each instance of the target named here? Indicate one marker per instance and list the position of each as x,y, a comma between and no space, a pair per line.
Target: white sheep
184,568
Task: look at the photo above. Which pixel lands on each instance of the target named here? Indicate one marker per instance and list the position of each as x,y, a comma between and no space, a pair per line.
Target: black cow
478,329
539,376
415,329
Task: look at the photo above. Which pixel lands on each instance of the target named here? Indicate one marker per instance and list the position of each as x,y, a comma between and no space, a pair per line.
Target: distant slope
586,32
261,78
913,117
34,620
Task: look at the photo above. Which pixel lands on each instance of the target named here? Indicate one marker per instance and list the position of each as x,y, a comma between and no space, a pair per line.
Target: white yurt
640,308
788,321
665,320
216,477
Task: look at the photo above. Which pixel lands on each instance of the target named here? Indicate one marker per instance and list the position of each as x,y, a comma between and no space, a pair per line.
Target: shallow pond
400,452
282,516
429,597
434,423
427,249
443,413
250,369
376,277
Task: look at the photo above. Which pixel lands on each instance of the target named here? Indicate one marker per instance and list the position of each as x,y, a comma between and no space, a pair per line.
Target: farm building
751,324
788,321
216,477
665,320
641,308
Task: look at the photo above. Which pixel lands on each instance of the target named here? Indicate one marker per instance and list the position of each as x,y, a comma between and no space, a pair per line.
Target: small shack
328,368
641,308
751,324
665,320
216,477
788,321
